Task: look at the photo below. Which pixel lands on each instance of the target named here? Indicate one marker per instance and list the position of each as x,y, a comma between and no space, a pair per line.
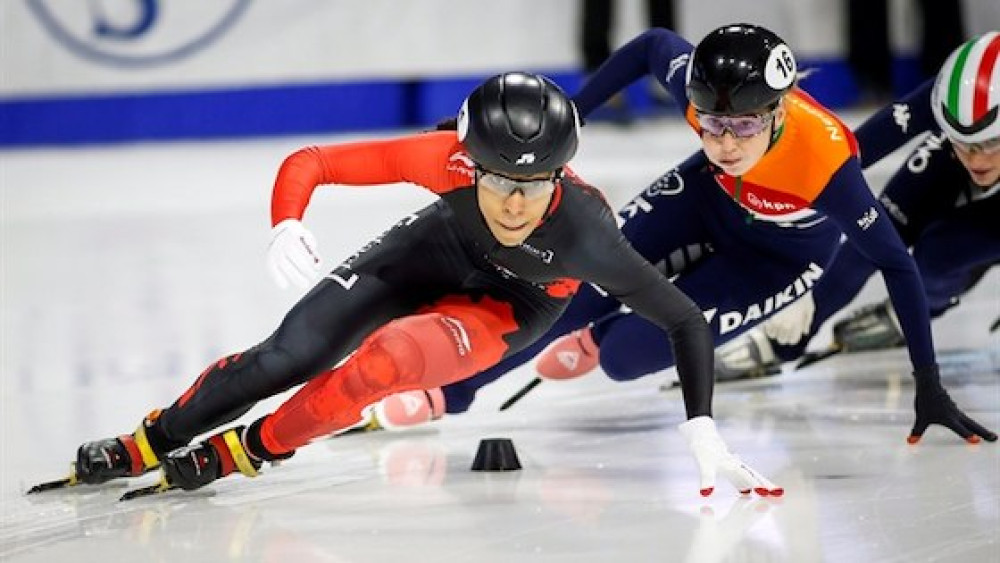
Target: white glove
292,254
790,324
713,457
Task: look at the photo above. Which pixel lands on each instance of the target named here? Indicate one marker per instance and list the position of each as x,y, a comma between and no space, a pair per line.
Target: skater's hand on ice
934,406
292,255
790,324
713,458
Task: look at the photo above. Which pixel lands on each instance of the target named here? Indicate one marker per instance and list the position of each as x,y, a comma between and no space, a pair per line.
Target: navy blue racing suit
770,240
952,225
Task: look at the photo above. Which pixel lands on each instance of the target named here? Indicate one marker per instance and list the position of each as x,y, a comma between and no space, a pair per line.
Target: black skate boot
873,327
129,455
195,466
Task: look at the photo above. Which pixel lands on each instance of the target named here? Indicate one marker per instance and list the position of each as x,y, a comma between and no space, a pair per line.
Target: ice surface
126,269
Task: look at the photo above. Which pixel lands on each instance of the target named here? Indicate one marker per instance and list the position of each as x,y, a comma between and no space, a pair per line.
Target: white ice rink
127,269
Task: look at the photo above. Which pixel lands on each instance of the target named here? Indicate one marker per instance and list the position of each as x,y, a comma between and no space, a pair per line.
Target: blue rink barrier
223,113
314,108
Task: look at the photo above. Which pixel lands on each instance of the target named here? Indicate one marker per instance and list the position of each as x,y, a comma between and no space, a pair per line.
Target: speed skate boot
569,356
873,327
197,465
409,408
400,411
129,455
746,356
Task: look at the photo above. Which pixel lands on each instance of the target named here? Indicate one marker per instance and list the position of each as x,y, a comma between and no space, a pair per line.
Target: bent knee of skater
418,351
389,360
457,398
620,367
624,360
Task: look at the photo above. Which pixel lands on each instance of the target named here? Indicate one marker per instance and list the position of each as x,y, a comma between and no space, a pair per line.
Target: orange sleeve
420,159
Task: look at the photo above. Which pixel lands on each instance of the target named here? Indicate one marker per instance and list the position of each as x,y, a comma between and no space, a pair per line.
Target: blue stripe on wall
205,114
311,108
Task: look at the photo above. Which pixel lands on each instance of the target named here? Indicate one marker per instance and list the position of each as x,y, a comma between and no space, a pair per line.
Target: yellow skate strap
239,454
149,458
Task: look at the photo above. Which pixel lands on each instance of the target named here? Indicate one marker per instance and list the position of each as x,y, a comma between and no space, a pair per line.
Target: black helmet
739,69
519,123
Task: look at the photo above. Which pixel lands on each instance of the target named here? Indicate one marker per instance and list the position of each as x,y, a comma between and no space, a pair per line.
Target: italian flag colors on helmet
966,96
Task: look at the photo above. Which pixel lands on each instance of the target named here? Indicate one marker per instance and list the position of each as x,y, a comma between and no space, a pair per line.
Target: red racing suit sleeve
432,160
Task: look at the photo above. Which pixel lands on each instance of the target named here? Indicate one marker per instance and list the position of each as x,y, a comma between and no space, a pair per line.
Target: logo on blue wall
136,33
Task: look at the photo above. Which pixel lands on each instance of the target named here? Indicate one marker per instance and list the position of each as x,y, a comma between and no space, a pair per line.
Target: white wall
289,41
322,40
281,41
981,16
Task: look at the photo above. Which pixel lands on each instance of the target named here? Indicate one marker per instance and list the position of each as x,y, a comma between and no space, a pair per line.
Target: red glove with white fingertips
292,255
713,458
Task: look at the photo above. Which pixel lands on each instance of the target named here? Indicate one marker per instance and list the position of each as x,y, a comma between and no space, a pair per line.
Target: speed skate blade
52,485
156,489
69,481
810,358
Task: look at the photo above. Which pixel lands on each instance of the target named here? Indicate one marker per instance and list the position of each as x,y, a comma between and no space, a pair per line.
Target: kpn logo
136,33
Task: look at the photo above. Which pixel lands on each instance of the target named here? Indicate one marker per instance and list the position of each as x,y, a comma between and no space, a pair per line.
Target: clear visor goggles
741,126
989,146
505,186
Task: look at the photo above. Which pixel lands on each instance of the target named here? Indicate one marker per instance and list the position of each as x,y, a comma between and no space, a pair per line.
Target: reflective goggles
989,146
741,126
505,186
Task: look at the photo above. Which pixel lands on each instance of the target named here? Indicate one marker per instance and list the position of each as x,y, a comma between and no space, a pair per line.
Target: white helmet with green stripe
966,96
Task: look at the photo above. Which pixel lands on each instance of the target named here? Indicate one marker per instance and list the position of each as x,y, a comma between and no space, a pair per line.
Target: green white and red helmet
966,95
